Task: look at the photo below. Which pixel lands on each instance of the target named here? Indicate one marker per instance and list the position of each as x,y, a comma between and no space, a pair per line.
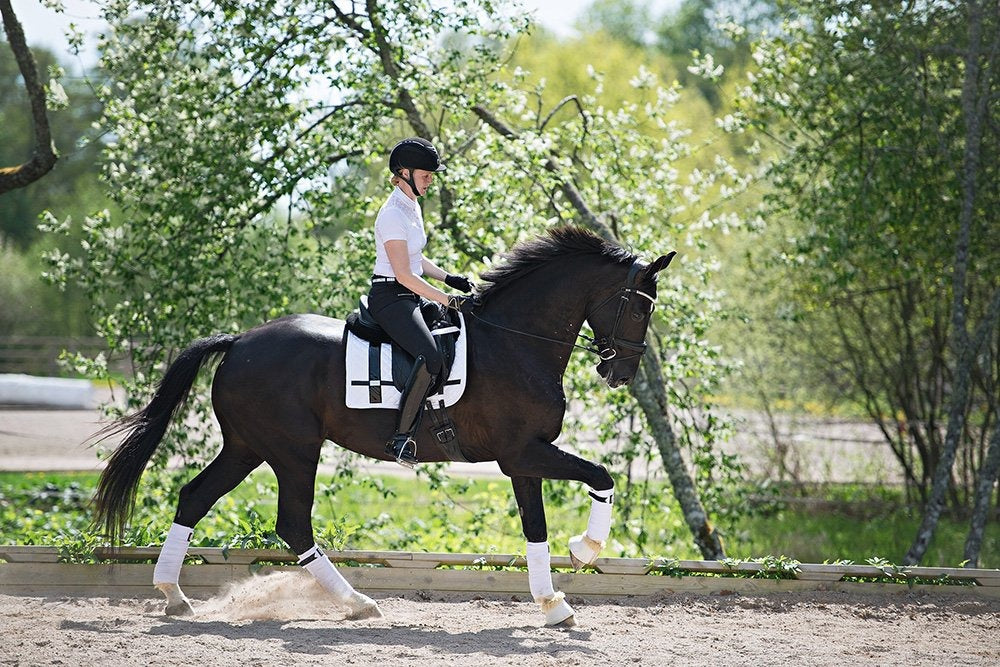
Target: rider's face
423,179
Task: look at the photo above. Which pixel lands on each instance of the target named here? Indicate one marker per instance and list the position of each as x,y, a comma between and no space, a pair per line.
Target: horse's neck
548,303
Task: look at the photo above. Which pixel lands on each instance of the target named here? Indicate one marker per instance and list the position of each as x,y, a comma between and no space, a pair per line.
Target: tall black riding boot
411,404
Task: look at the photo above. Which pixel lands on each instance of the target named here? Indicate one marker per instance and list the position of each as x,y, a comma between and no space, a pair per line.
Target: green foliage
30,308
444,514
771,567
72,184
852,277
20,289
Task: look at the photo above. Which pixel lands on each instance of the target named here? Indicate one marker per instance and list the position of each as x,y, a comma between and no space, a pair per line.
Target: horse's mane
559,242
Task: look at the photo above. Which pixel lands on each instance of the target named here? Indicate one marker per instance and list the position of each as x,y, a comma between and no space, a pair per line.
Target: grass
474,516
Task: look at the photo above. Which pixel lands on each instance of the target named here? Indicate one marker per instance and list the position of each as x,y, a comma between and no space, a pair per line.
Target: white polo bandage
539,570
326,574
168,565
599,523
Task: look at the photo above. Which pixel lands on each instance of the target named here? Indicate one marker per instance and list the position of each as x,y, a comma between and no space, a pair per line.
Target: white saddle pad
369,375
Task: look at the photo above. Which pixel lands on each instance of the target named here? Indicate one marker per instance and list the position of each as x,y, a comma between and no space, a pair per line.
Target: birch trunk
974,109
984,494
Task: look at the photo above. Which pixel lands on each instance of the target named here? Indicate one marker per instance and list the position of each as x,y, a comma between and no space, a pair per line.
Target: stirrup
403,449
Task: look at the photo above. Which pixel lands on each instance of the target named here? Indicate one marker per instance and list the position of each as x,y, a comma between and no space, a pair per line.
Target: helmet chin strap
413,185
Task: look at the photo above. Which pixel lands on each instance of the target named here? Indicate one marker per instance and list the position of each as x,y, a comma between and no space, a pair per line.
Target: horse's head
620,321
572,272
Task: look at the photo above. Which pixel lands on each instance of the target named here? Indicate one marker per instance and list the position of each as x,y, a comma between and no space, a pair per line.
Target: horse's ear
660,263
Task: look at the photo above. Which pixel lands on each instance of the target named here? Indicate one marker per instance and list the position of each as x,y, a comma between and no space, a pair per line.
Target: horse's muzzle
614,378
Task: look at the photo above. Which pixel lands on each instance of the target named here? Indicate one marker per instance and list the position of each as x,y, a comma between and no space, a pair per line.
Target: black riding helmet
414,153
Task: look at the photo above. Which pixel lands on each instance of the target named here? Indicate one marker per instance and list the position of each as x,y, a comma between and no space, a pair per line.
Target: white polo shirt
399,219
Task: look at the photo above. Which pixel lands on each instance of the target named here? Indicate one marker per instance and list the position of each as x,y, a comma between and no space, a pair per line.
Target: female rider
398,287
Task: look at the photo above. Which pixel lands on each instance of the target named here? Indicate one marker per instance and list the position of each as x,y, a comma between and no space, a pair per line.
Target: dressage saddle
444,324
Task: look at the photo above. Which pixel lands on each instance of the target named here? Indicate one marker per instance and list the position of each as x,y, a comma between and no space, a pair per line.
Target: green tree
72,183
883,222
629,22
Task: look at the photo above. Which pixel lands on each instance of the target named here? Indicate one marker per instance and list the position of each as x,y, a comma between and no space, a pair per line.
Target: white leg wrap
584,549
168,565
599,524
557,611
326,574
539,570
359,606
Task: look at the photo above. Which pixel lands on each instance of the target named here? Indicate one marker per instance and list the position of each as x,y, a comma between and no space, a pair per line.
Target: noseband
604,347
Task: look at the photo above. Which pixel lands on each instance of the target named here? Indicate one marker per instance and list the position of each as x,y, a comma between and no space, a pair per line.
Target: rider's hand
465,304
461,283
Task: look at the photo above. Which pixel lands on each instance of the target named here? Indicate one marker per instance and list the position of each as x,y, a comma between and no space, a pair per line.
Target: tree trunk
648,390
973,111
984,494
44,156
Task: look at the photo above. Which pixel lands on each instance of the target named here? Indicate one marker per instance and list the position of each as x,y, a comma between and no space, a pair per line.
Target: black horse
279,392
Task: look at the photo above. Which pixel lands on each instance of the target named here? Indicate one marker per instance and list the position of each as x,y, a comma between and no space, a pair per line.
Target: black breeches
398,311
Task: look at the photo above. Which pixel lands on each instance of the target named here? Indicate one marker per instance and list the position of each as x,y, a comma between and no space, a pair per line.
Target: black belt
382,279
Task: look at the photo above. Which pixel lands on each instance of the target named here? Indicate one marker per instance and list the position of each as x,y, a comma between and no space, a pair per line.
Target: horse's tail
116,490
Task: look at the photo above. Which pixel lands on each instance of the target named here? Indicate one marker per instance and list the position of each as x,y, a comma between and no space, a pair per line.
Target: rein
603,347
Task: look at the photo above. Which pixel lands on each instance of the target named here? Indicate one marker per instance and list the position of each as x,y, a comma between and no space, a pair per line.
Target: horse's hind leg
221,476
296,483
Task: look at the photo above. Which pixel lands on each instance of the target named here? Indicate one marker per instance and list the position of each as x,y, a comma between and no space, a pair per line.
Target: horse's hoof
568,622
558,613
182,608
360,607
583,550
177,602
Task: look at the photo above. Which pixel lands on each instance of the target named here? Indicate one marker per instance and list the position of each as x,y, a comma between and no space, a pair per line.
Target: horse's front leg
528,492
586,547
548,461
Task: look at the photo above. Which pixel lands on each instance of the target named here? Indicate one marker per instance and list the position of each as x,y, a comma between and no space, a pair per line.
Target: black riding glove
465,304
461,283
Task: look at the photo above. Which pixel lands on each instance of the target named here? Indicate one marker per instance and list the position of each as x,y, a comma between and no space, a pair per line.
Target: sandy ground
284,619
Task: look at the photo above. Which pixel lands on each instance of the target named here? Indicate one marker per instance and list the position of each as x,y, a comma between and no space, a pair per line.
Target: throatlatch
402,446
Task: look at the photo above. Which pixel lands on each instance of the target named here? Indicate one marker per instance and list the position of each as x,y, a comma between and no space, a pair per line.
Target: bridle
604,347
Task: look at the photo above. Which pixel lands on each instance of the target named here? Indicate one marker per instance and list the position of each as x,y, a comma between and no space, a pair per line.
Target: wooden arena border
128,572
